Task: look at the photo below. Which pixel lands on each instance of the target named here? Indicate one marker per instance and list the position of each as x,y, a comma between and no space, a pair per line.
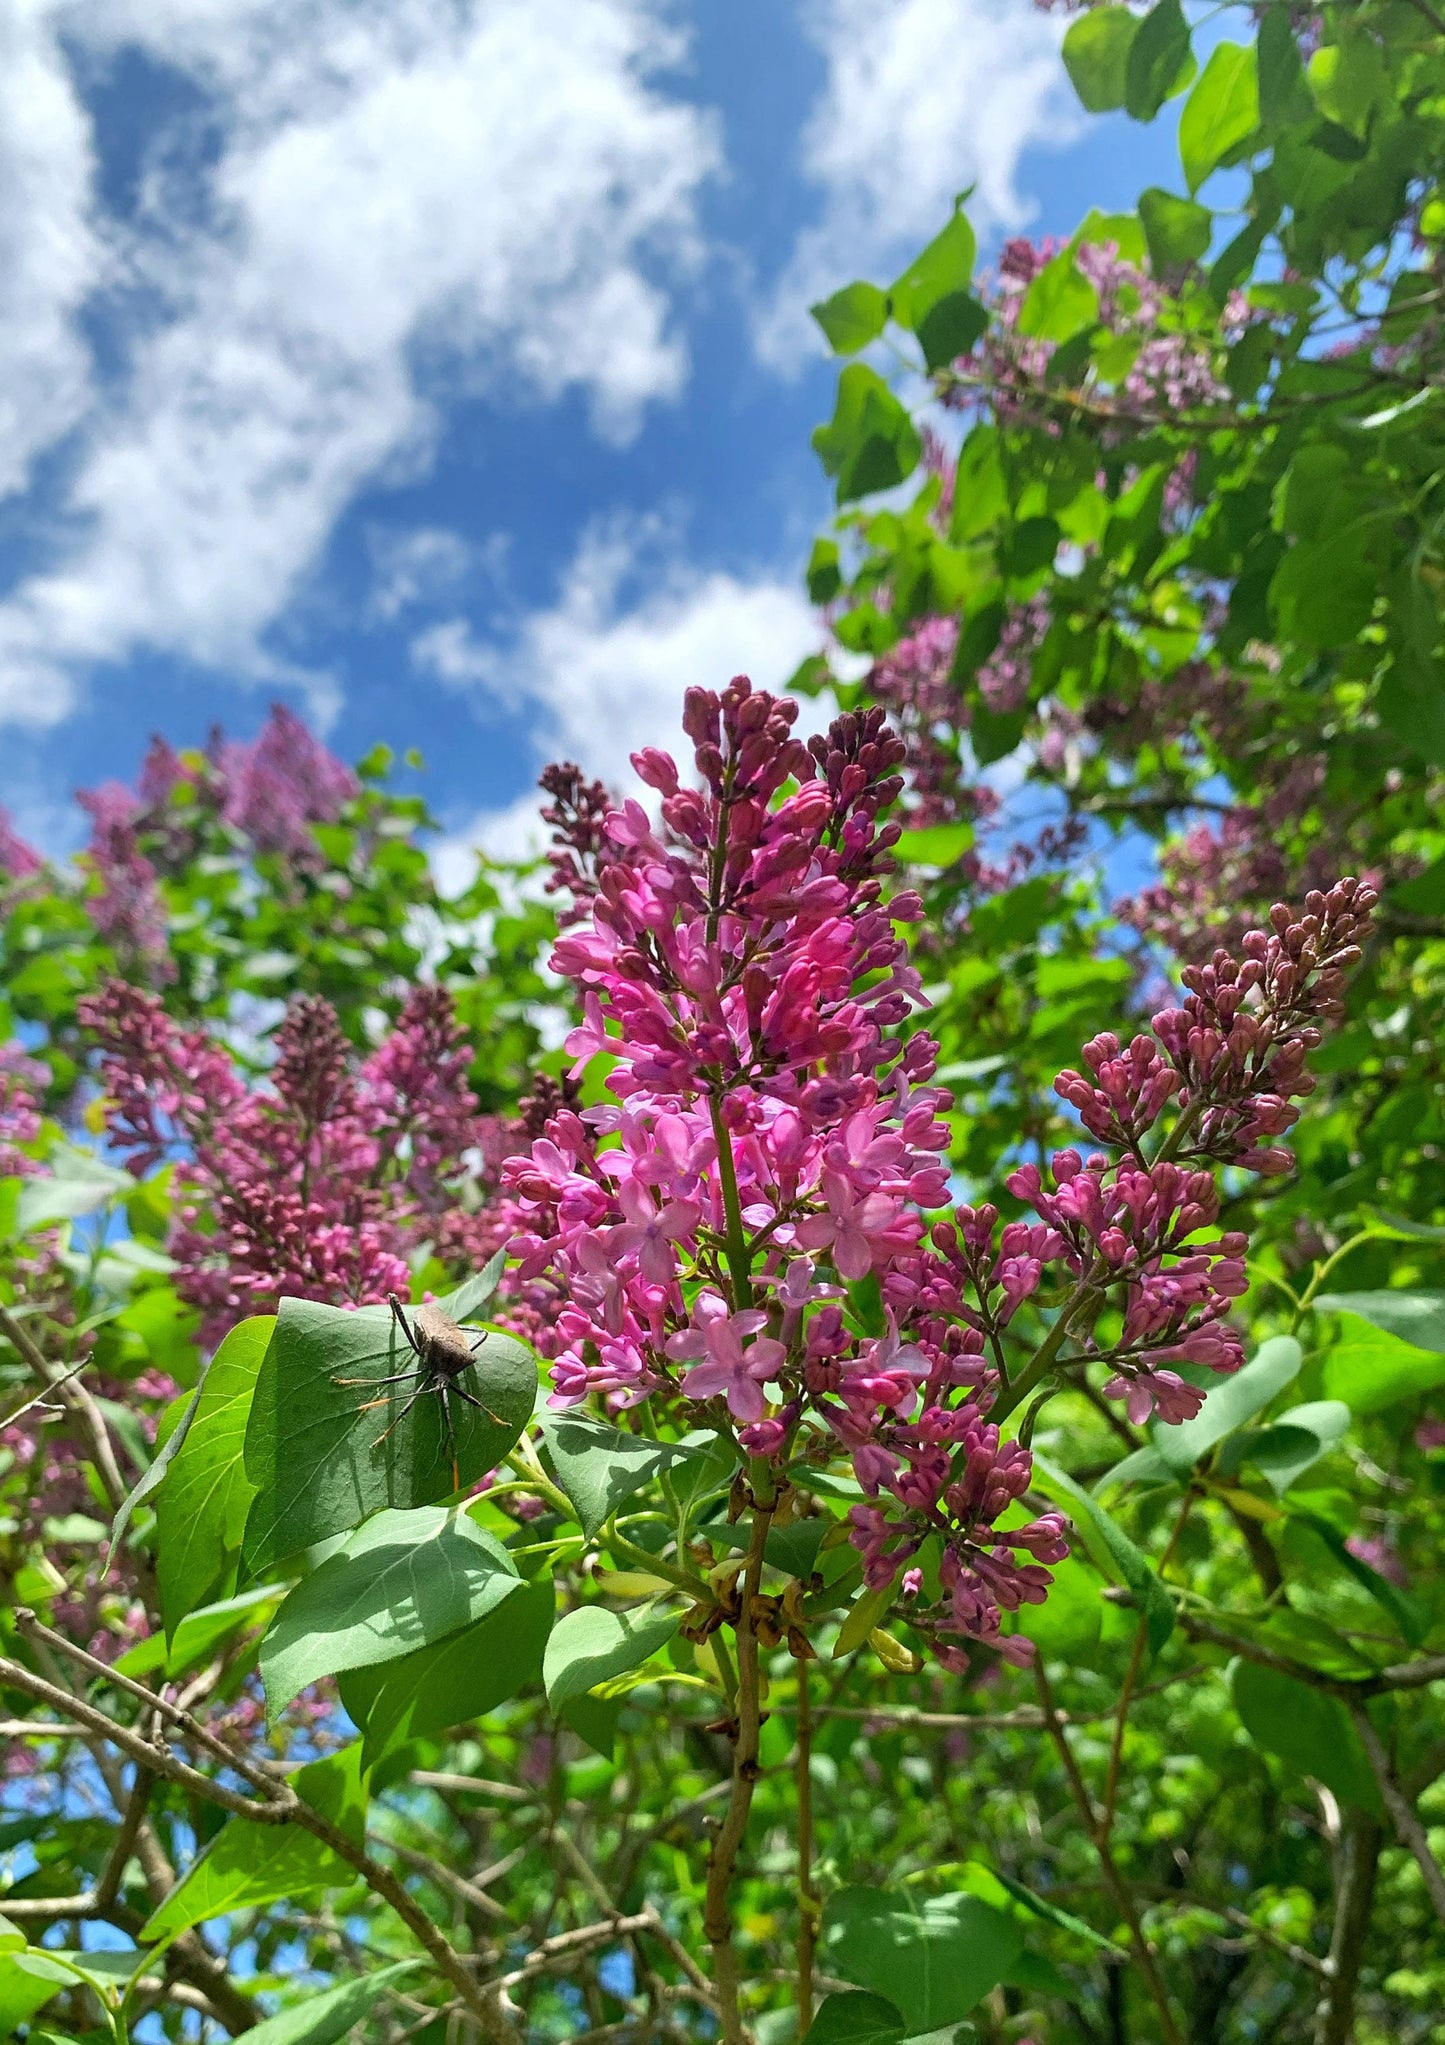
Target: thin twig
76,1397
1117,1886
1403,1815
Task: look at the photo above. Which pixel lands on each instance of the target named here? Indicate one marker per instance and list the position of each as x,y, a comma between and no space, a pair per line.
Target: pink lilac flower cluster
268,791
17,859
22,1084
124,901
1004,678
320,1183
773,1138
1170,371
271,789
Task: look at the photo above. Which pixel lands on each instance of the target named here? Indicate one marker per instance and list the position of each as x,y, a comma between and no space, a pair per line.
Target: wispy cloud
922,99
405,196
602,671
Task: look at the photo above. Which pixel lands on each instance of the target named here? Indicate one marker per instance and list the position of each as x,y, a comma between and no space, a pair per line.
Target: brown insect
443,1352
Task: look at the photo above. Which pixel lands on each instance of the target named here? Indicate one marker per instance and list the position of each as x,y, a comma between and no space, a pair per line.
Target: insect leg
472,1400
403,1377
451,1434
402,1322
420,1393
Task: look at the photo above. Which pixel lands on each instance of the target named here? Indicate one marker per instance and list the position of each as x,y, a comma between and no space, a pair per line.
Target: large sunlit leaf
590,1645
1307,1728
250,1864
1111,1549
458,1679
599,1467
1221,113
323,2019
871,442
933,1957
201,1506
320,1464
1096,56
1231,1402
403,1581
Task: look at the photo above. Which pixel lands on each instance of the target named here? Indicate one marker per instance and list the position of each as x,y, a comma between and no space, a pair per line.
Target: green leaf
1144,1466
250,1864
201,1507
591,1644
1347,80
1220,113
321,1465
77,1183
825,577
456,1680
933,298
1112,1549
322,2019
599,1466
1416,1317
199,1634
1067,1623
1179,231
1295,1442
1323,592
1370,1371
934,1959
1233,1401
1404,1611
1061,301
154,1474
852,317
868,1611
937,845
1160,61
594,1719
1052,1914
404,1580
469,1298
1306,1728
28,1979
1096,56
855,2017
870,443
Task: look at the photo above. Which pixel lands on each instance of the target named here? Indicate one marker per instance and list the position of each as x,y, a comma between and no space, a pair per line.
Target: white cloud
602,672
421,566
406,193
923,98
50,256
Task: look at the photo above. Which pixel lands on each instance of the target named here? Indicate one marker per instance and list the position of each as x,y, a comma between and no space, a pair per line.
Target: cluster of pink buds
323,1182
773,1140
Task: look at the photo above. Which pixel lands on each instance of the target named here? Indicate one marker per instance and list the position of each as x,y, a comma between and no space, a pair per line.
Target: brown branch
74,1395
124,1844
1398,1676
275,1805
1408,1829
1114,1880
1357,1863
472,1785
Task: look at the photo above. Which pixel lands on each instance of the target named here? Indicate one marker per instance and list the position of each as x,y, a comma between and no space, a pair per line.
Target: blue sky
443,367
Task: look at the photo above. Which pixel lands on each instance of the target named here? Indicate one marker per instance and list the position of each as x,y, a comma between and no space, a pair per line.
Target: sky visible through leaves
446,371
